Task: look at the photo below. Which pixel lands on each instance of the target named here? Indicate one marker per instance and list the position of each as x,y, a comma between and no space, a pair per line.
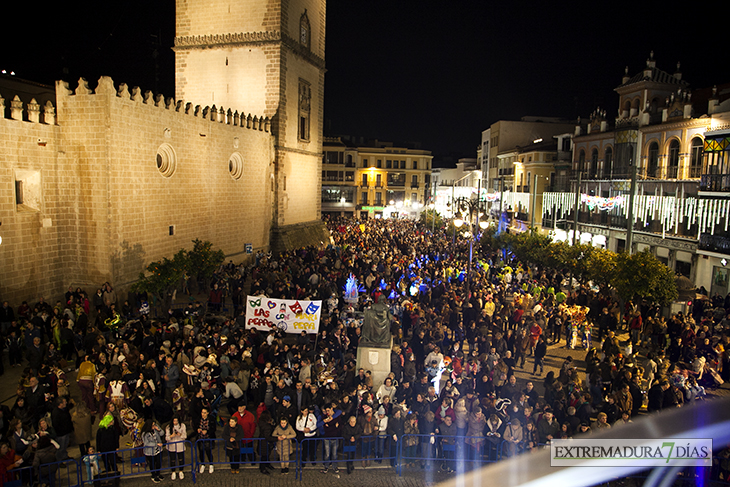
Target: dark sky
437,72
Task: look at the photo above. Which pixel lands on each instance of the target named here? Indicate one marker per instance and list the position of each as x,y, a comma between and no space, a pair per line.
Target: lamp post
472,207
453,212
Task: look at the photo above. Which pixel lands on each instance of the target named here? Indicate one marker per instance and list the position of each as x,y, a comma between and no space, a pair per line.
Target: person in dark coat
266,428
64,426
656,396
540,352
351,432
45,455
396,430
107,442
232,436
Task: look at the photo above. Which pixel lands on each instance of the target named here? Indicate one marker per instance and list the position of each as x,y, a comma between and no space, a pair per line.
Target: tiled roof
657,76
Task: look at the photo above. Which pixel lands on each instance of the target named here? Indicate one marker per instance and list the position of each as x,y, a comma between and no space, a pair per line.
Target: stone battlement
33,111
213,114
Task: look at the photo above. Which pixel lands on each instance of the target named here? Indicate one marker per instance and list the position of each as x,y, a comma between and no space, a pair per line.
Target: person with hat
368,424
286,410
381,430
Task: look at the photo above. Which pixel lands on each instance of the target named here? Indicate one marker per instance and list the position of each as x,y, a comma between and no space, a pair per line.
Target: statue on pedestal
376,326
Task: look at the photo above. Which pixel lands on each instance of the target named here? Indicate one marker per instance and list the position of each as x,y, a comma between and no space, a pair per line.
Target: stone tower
265,57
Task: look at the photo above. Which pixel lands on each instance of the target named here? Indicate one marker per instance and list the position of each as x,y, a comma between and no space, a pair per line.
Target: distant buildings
373,179
668,142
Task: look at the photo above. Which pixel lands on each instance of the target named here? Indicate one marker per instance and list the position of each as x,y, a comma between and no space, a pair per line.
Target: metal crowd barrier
462,454
453,452
377,448
51,474
251,451
131,462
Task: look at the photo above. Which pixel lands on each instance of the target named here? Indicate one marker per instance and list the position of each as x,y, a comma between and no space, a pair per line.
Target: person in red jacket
248,423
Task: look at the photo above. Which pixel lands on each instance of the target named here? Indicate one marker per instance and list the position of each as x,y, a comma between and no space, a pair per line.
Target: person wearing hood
107,442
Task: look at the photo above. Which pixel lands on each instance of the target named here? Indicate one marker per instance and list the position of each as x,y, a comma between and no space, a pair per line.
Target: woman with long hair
176,433
152,438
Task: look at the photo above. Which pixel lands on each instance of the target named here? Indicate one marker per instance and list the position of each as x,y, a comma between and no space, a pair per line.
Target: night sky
423,71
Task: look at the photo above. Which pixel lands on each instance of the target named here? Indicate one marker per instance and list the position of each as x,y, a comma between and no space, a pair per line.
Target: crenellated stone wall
103,208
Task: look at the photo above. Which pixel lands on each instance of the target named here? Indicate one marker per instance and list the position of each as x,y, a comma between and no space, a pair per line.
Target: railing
452,452
521,463
132,462
714,243
335,451
715,182
52,474
397,183
414,185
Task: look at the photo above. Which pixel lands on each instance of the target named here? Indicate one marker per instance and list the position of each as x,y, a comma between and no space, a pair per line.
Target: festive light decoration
601,203
352,288
670,211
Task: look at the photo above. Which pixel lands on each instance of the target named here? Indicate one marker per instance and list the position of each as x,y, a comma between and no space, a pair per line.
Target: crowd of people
459,336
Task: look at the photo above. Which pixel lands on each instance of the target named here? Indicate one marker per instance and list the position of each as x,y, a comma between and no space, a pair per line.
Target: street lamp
471,207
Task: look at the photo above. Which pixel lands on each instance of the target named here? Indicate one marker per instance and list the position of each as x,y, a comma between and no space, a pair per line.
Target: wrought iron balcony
715,182
714,243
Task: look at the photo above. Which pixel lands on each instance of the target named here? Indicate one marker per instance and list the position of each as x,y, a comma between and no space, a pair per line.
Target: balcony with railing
414,185
714,243
715,182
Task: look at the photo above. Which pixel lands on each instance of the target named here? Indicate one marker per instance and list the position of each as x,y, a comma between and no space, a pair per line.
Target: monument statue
376,326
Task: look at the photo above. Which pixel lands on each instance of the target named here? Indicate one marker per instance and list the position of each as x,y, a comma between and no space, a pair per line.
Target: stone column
693,270
672,262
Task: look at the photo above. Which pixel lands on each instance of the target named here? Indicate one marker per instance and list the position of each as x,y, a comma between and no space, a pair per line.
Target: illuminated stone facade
97,181
266,57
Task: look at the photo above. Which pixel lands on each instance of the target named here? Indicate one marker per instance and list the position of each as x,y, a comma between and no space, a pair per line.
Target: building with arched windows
670,141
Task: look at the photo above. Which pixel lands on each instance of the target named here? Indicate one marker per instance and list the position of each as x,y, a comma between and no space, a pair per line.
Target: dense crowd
459,334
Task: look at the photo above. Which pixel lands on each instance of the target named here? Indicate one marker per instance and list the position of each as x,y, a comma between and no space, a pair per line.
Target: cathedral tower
266,58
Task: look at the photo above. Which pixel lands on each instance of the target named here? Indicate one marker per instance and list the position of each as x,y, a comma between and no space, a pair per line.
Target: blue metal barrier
51,474
251,451
336,451
458,452
132,462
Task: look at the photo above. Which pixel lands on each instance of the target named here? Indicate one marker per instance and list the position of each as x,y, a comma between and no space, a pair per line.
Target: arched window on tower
305,31
695,162
607,171
652,163
673,160
582,162
593,170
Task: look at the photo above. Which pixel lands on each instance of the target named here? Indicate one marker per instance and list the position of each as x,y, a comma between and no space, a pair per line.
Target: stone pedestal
377,361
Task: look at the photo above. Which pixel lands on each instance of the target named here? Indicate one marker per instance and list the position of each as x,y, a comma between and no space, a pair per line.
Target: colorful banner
603,204
290,316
